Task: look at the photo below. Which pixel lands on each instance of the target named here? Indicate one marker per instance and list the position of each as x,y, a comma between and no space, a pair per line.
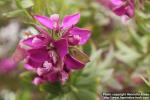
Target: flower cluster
124,8
51,54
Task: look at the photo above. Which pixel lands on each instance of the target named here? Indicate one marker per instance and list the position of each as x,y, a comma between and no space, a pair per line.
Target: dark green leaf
51,88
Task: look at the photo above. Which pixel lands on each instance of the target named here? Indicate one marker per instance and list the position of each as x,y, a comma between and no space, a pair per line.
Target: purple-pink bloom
123,8
7,65
74,35
10,63
47,54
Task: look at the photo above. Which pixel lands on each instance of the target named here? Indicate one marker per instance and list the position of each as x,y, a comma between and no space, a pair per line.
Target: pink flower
124,8
45,56
48,54
136,79
10,63
7,65
74,35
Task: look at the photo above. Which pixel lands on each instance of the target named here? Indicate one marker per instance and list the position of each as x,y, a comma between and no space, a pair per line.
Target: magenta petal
70,20
61,47
27,42
41,71
124,9
55,21
124,18
72,63
38,81
44,21
52,77
44,32
33,42
130,11
29,67
32,64
83,33
54,17
63,76
19,54
117,2
40,54
120,11
36,41
120,7
36,57
7,65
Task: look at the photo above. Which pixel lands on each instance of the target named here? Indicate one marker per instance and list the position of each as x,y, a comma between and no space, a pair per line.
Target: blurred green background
119,52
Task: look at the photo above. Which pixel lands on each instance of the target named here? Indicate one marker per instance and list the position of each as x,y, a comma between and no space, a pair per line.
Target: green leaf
115,84
146,81
74,76
126,54
104,74
70,96
95,54
108,61
27,3
89,83
24,3
13,13
51,88
90,67
51,97
23,95
86,81
27,76
141,45
2,3
147,6
84,94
